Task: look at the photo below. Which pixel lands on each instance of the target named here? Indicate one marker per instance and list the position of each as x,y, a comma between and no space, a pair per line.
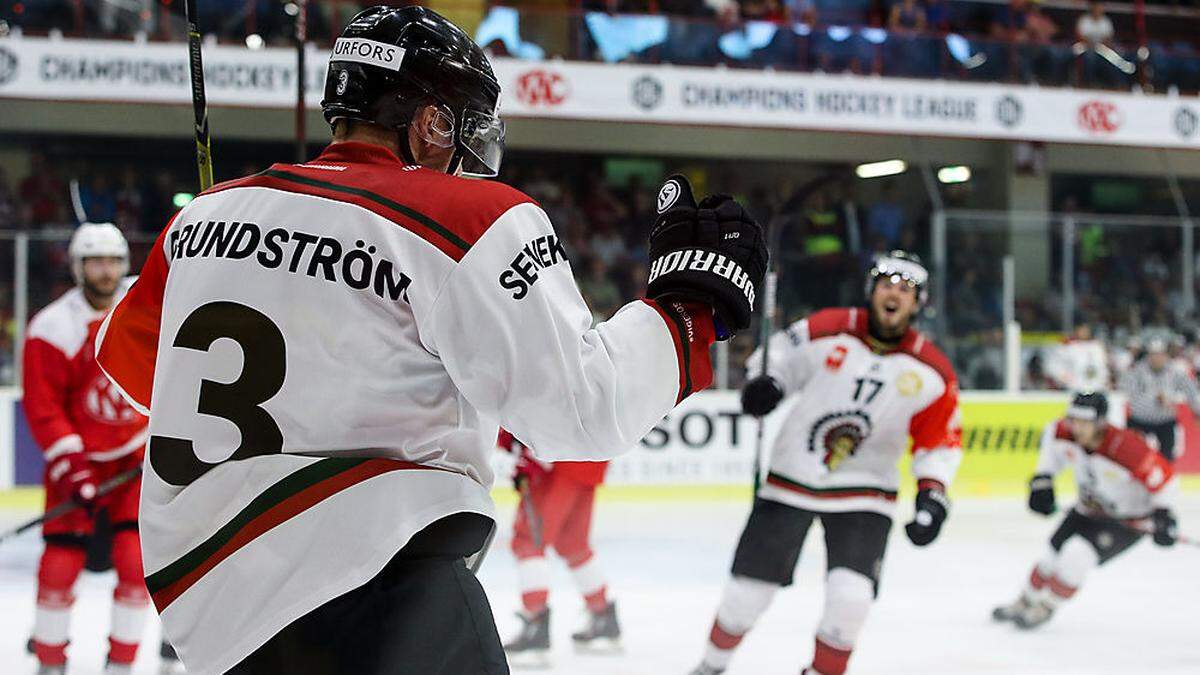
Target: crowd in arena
831,228
1017,41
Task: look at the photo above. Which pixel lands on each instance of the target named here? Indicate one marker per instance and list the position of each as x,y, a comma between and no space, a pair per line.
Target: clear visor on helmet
482,144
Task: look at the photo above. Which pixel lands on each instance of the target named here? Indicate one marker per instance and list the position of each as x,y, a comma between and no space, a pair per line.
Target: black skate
1035,615
531,647
705,669
602,635
1011,611
44,669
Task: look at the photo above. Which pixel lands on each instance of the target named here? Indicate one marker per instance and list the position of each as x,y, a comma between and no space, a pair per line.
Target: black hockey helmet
904,265
1088,405
389,61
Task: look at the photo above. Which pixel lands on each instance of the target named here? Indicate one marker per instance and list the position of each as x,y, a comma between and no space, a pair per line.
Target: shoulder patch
449,212
834,321
928,353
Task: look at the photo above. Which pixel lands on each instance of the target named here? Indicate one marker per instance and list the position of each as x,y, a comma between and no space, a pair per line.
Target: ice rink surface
667,562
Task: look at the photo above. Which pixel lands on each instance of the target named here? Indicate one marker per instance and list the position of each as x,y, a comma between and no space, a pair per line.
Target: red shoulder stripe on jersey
923,350
1062,431
837,320
292,495
829,492
410,219
1130,450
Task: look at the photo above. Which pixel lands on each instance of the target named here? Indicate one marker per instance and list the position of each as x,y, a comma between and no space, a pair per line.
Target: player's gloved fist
1041,494
72,476
712,252
1166,528
932,507
761,395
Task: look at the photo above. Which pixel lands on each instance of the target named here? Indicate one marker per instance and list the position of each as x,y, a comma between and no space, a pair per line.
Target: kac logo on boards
542,88
647,92
8,66
1100,117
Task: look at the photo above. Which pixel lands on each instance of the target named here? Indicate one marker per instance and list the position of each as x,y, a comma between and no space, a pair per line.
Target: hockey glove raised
1041,494
712,252
761,395
72,476
932,507
1166,528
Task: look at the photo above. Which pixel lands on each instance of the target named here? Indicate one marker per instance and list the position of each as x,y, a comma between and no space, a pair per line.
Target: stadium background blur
1098,235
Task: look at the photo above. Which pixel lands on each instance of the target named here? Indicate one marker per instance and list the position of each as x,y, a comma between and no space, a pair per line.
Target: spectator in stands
129,201
1043,59
1095,32
937,15
43,193
886,219
801,11
603,295
762,10
8,202
824,247
907,17
910,52
98,199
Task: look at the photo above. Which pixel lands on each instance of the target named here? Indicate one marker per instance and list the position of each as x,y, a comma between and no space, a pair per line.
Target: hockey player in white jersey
317,346
1125,487
865,383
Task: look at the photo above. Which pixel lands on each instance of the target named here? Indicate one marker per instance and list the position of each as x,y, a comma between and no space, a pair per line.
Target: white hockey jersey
859,404
1079,365
316,346
1124,478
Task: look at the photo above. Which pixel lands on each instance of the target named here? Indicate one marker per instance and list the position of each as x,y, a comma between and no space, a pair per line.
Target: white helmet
96,240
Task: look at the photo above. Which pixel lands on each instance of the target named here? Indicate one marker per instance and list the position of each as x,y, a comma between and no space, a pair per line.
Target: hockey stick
766,329
67,507
199,103
77,202
531,514
475,561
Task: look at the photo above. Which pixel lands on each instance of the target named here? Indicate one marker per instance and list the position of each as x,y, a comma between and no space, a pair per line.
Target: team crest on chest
836,358
837,436
909,383
104,403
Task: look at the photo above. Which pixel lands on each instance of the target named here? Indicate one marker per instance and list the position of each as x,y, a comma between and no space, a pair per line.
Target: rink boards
706,444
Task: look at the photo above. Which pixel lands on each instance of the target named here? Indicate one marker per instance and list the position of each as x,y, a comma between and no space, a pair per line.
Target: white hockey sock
848,598
1076,558
52,619
590,582
533,576
128,615
744,600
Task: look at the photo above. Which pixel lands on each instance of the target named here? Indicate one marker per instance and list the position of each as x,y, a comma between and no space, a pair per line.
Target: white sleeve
515,336
788,356
1050,451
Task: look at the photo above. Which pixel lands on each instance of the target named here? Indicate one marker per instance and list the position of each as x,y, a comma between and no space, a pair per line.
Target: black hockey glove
761,395
1166,528
712,253
932,507
1041,494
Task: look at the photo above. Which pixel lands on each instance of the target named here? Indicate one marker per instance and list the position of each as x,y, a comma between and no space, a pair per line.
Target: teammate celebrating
318,345
89,435
556,510
1121,480
866,382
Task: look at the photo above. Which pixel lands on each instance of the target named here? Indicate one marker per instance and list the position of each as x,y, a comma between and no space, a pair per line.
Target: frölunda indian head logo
1009,111
8,66
646,92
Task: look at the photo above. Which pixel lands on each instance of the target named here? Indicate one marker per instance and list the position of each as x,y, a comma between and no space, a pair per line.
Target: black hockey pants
425,613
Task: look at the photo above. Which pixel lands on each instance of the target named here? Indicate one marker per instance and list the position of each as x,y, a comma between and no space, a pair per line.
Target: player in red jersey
556,511
88,434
